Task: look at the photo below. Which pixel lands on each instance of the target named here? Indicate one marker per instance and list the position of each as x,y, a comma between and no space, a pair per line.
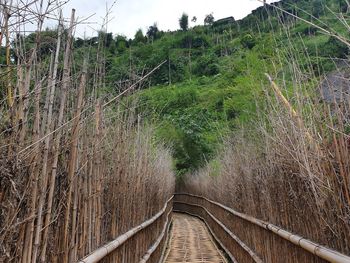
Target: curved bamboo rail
309,246
154,247
108,248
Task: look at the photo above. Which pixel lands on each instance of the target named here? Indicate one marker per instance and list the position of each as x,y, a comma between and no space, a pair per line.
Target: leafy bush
191,40
248,41
334,48
207,65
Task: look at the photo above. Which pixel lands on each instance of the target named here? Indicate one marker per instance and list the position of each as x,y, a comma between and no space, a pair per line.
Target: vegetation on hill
210,83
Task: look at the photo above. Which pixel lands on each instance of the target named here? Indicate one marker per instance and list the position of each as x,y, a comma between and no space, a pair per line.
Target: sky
127,16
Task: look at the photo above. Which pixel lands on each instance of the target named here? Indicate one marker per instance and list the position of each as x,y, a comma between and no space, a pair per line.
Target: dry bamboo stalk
48,124
8,61
85,202
9,97
97,174
90,207
26,256
56,149
292,112
29,68
72,179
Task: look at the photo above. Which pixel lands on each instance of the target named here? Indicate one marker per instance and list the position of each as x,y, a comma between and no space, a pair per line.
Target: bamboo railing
253,240
153,230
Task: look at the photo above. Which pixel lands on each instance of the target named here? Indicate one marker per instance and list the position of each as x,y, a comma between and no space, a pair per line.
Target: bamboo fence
254,240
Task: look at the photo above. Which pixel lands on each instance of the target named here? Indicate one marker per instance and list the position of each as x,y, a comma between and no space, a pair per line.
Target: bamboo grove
78,167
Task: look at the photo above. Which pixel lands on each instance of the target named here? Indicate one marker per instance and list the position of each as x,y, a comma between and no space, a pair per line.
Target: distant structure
335,87
335,91
224,21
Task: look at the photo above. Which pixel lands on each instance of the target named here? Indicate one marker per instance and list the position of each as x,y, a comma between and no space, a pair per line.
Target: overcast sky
130,15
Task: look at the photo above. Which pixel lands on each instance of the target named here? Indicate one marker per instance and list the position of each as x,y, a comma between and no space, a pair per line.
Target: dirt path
190,241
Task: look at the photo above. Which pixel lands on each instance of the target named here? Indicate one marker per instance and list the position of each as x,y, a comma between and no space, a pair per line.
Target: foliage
139,37
153,32
248,41
206,65
183,21
209,19
214,71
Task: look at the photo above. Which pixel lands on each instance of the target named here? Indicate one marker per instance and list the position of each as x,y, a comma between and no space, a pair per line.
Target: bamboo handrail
313,248
156,244
108,248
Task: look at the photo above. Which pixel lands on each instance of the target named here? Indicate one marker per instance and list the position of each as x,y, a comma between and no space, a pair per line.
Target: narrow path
190,241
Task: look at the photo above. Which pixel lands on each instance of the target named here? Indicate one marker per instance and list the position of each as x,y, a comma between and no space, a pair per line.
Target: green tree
139,37
152,32
121,43
209,19
183,21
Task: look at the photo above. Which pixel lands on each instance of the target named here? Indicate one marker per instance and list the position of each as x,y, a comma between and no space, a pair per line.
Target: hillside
211,80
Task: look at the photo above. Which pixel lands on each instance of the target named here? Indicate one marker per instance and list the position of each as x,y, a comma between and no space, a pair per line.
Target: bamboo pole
8,61
292,112
73,180
34,175
27,80
56,149
48,124
97,174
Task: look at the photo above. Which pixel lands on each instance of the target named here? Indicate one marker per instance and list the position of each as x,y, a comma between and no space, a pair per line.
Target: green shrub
206,65
334,48
248,41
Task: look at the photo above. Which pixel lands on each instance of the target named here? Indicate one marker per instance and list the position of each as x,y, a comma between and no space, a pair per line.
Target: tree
139,37
209,19
183,21
194,19
152,32
121,43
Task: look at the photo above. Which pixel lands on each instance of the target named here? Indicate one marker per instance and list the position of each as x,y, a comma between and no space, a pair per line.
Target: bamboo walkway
190,241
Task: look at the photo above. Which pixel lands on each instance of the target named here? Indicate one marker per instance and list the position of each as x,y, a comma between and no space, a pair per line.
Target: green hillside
211,82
